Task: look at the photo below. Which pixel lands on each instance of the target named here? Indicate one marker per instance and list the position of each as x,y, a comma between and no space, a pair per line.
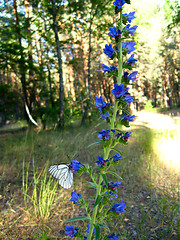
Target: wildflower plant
116,117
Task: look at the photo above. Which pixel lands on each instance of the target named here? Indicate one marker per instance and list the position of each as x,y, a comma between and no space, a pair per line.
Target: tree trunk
50,81
169,92
61,86
30,61
21,62
89,76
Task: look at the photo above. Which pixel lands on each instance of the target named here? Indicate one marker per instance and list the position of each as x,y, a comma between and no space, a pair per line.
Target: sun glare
168,151
166,143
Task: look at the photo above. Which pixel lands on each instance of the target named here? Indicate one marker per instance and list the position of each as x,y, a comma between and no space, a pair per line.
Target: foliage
81,54
8,101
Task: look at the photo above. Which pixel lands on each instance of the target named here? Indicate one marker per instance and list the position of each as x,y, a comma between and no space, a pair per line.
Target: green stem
95,210
120,54
108,149
114,115
93,221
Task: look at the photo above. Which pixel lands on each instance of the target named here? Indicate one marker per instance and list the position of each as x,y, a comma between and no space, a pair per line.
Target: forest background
51,54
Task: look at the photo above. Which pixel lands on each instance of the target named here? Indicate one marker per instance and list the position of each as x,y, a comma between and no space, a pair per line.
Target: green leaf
77,219
91,184
117,150
81,170
103,225
97,231
115,174
94,143
105,179
98,199
90,171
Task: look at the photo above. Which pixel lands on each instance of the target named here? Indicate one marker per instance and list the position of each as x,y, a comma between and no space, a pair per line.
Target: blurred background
51,60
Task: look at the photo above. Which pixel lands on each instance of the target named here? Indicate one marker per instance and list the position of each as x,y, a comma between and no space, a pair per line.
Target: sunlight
168,151
167,141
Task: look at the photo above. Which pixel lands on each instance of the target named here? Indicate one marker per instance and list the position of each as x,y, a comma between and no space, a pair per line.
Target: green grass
33,206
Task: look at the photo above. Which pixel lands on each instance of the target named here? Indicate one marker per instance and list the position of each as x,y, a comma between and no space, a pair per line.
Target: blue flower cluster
119,115
101,162
75,166
118,208
104,134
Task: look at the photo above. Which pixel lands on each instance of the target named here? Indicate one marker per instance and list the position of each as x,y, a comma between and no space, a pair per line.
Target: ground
150,170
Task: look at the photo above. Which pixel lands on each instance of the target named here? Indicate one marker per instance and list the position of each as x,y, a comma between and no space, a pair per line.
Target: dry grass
150,179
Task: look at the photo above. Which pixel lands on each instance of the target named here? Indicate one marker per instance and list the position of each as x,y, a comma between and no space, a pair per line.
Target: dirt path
166,141
160,121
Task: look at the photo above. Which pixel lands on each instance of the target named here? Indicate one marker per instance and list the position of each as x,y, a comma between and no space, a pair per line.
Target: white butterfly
63,173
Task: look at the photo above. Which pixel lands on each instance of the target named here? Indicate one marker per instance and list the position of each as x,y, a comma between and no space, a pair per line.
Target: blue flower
101,161
113,68
126,75
129,46
88,229
100,104
128,99
117,157
127,118
129,16
105,116
75,197
108,50
116,48
71,231
131,76
130,30
113,237
118,135
118,208
131,60
104,134
105,68
119,90
76,165
114,195
115,185
114,33
126,136
119,3
108,69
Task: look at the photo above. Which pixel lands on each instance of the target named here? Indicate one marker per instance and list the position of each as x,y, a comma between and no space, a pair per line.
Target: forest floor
33,206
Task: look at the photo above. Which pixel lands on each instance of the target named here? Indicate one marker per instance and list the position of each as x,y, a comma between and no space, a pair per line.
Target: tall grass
40,192
39,188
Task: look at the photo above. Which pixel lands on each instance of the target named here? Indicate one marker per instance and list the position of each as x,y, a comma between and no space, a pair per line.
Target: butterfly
64,172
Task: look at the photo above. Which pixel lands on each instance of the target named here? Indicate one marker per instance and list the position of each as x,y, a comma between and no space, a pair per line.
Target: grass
33,206
43,194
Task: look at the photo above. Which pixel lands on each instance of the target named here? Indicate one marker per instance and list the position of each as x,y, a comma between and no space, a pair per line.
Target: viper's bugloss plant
116,116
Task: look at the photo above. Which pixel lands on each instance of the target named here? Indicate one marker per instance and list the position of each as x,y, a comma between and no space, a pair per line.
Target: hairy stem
120,54
108,149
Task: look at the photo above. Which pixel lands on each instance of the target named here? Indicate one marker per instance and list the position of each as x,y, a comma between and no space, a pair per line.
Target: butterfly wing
63,174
